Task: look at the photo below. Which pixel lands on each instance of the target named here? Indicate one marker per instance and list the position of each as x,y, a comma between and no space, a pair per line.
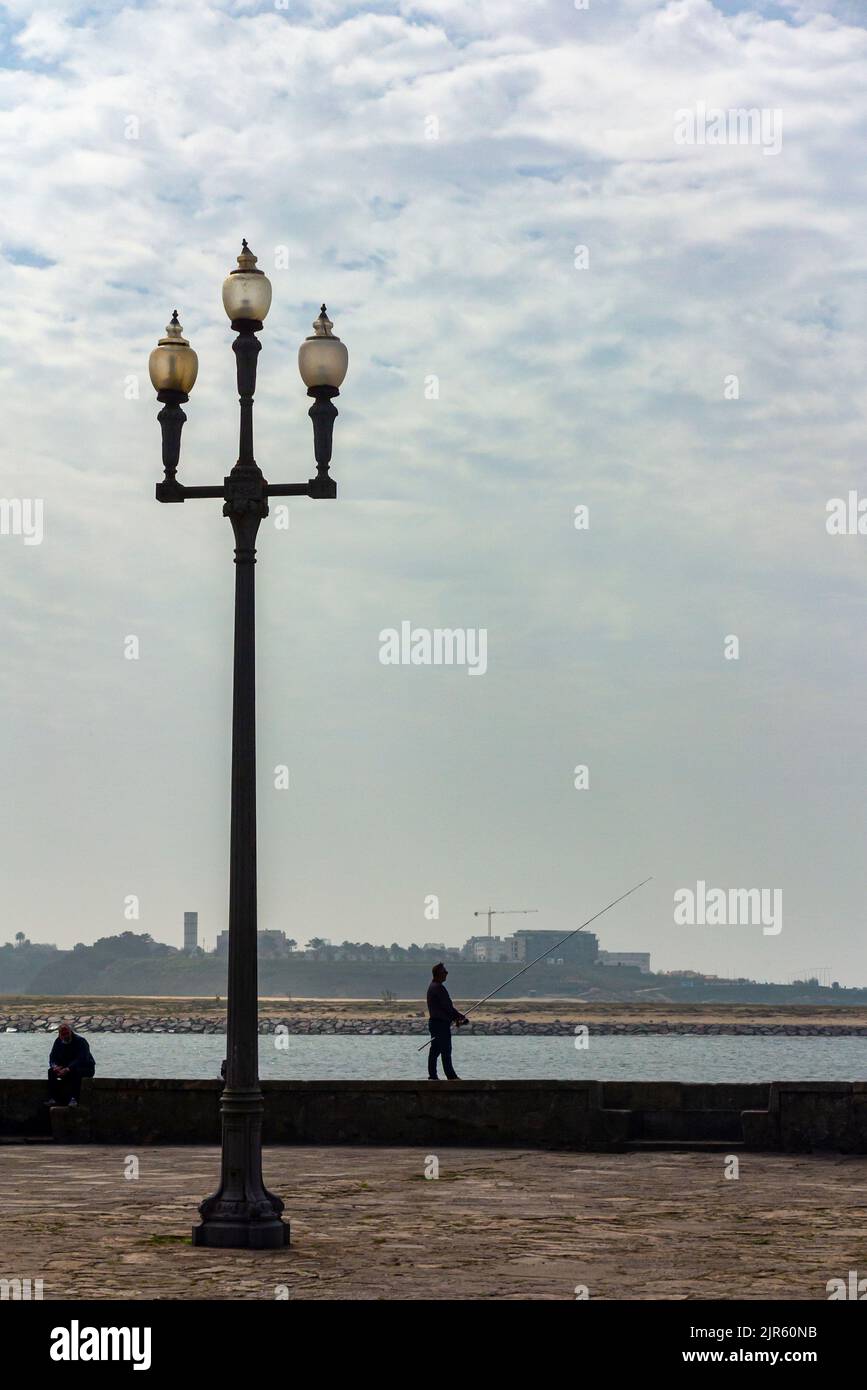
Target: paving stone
497,1224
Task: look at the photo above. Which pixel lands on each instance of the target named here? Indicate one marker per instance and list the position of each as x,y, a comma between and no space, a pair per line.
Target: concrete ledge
565,1115
811,1115
70,1124
572,1115
21,1108
686,1095
759,1131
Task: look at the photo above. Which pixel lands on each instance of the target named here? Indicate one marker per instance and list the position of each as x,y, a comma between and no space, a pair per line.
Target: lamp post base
242,1235
242,1214
251,1223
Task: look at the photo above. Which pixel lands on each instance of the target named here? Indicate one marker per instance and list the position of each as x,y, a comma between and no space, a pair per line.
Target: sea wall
593,1116
21,1021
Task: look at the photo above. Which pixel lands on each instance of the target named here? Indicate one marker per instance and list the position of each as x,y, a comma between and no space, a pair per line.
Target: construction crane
490,912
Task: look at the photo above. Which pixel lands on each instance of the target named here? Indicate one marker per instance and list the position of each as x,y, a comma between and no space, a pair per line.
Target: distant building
639,960
191,931
271,943
581,949
268,943
528,944
488,948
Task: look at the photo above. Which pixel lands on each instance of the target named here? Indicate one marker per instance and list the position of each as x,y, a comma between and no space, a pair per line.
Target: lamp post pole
242,1212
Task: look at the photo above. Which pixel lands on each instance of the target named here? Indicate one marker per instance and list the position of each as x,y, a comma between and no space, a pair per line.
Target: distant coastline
133,964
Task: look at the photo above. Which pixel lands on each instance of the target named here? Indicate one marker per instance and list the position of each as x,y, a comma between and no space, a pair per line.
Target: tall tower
191,930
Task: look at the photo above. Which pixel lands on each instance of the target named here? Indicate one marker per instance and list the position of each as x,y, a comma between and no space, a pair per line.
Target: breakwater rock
19,1022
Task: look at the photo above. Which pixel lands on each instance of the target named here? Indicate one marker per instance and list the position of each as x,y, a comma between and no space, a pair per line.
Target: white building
191,931
637,959
490,948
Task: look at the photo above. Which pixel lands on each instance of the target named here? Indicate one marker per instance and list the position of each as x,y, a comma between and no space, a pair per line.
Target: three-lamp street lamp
242,1212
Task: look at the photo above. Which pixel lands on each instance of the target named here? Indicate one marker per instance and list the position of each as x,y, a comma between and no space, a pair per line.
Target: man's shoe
453,1078
50,1102
433,1078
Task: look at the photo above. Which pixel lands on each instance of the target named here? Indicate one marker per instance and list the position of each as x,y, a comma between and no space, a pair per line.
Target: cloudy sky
550,301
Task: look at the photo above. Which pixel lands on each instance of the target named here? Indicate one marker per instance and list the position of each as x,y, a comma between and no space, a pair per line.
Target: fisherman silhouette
442,1015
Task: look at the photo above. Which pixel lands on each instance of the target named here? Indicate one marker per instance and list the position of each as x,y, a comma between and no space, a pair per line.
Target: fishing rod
548,952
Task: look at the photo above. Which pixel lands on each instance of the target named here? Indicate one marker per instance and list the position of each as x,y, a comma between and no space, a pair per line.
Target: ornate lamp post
242,1212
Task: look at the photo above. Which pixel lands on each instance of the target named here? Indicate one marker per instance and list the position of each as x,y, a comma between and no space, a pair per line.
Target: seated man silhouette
70,1061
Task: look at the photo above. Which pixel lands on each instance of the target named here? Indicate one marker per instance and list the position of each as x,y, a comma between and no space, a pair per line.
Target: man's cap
439,966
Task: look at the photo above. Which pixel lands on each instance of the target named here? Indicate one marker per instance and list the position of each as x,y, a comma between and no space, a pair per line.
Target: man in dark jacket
70,1060
442,1015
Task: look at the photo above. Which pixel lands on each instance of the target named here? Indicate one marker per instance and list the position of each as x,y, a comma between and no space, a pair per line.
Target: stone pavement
496,1224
